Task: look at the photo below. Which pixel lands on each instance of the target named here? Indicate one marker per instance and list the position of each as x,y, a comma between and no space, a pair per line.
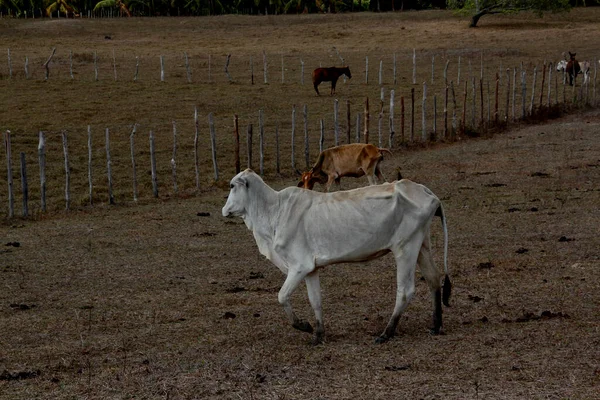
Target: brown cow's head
308,180
347,72
572,55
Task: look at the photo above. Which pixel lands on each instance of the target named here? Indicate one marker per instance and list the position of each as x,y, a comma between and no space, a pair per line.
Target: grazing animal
330,74
301,231
353,160
573,68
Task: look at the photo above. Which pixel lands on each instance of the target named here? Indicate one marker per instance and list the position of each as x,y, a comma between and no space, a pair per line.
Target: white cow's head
561,65
238,195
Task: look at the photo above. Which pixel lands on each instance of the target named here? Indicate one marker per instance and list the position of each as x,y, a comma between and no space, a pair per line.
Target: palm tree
63,6
118,4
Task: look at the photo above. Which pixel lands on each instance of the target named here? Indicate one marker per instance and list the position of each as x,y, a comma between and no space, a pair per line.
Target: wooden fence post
523,93
473,102
42,162
391,118
249,145
282,70
402,119
71,64
394,69
277,163
464,111
434,117
306,145
9,178
432,67
412,114
549,99
423,113
187,67
196,135
543,83
67,171
414,60
114,65
481,120
458,73
261,142
153,166
46,65
227,68
134,169
293,137
301,72
366,70
514,95
348,122
209,68
507,94
174,159
236,141
380,72
89,146
380,128
26,67
137,68
24,186
367,119
454,122
95,66
162,68
251,71
496,116
336,125
213,145
445,133
322,137
357,136
265,66
111,198
9,65
531,108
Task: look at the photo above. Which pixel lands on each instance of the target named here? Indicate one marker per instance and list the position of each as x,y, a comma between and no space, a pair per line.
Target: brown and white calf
353,160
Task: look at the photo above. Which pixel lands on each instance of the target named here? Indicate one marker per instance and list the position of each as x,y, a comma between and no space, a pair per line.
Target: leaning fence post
9,179
213,145
46,65
134,170
24,186
71,64
137,68
543,83
67,171
42,162
153,166
111,198
227,68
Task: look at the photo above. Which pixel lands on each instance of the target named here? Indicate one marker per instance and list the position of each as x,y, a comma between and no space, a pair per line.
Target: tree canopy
479,8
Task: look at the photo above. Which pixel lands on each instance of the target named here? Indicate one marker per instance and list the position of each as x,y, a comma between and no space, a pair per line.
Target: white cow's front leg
313,286
292,281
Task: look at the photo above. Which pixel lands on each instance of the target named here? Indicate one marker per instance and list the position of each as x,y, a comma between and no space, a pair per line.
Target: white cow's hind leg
313,287
433,277
406,262
291,283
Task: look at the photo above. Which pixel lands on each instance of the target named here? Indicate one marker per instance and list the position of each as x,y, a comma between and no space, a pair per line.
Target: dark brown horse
573,68
330,74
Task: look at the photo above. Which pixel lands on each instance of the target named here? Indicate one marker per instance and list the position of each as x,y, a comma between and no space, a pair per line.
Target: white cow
301,230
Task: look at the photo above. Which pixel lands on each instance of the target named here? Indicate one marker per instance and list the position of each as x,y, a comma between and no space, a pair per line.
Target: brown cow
330,74
353,160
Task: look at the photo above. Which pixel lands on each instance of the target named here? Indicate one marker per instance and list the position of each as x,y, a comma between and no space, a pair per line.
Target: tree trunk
475,18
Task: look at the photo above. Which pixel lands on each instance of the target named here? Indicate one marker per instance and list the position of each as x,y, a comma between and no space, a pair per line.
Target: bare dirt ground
167,299
157,301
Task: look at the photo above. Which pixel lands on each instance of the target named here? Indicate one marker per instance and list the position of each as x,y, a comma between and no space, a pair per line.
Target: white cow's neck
262,213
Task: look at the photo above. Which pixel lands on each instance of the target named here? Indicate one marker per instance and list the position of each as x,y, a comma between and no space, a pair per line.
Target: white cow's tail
447,284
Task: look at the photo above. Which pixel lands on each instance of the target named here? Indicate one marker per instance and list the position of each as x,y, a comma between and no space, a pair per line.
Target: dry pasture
167,299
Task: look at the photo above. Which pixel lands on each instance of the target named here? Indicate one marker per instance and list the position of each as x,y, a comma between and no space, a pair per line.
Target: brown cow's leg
316,85
333,83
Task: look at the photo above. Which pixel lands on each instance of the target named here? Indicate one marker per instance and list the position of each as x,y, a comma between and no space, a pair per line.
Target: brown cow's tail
447,290
319,162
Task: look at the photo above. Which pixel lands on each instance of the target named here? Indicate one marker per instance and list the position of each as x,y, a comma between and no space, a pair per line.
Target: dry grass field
167,299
